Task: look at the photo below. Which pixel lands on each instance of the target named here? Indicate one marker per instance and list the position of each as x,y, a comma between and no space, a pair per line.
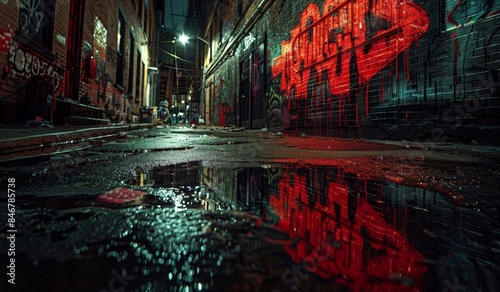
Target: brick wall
30,71
32,64
123,100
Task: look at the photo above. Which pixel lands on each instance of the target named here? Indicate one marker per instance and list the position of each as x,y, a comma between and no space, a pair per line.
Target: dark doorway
252,99
38,99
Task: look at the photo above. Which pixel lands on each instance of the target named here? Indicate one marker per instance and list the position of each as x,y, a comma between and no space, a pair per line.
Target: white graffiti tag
27,65
31,16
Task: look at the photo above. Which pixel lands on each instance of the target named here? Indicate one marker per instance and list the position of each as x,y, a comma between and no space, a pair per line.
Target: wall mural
224,91
350,38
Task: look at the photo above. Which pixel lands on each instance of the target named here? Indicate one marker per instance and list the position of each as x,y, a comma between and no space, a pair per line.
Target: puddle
367,234
185,175
285,227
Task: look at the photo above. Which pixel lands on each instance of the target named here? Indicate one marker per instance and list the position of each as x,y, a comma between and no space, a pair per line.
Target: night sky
174,11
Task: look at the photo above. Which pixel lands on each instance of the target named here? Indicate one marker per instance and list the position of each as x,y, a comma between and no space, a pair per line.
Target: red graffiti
366,33
353,245
6,38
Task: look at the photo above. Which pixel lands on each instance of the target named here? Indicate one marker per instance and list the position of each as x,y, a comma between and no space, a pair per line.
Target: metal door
252,100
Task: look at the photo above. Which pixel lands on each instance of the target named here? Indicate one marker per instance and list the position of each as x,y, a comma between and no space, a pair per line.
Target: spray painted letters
27,64
370,33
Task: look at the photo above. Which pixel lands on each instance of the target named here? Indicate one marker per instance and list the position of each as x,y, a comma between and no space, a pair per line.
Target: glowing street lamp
183,38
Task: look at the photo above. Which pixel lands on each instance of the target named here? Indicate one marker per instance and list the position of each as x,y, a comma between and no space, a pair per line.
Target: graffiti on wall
278,115
6,36
30,18
100,46
101,79
34,15
60,38
86,49
350,38
26,64
463,12
117,107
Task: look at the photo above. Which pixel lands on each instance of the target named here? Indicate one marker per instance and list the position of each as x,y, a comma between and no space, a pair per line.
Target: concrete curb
13,144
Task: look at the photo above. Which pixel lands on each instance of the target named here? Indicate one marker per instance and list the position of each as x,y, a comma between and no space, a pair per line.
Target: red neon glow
369,33
354,246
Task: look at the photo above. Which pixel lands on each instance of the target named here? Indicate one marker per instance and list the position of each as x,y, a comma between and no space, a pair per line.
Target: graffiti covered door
253,104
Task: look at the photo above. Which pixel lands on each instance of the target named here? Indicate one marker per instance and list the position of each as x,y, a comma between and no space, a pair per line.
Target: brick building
378,69
77,61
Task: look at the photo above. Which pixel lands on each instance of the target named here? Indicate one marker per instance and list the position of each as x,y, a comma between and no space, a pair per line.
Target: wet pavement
179,209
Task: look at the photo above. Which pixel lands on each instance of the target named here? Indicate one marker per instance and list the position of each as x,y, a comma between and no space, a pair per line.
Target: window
36,21
120,49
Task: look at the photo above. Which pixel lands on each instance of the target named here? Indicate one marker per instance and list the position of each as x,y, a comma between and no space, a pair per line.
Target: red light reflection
342,237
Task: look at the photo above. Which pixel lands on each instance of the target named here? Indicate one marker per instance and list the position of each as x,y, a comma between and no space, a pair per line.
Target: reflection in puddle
367,235
297,228
363,234
184,175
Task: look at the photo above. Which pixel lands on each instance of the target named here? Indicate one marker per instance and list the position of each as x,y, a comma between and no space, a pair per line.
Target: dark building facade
377,69
74,62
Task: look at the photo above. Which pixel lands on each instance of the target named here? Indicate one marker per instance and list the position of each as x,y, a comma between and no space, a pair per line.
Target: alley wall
375,69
